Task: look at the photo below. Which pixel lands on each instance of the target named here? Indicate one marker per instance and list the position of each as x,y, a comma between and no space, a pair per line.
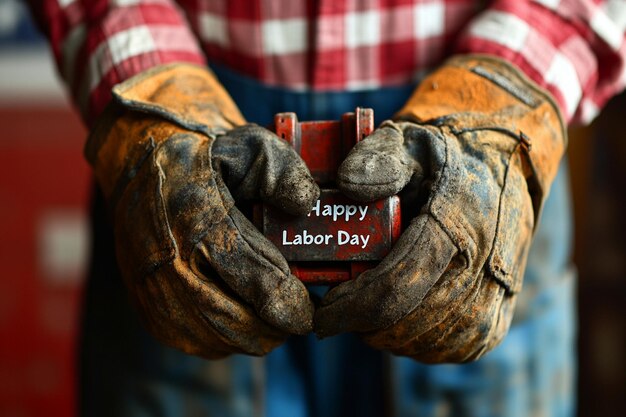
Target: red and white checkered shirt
574,48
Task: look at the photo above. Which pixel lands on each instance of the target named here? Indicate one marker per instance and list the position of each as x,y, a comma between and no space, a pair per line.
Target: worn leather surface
173,157
473,153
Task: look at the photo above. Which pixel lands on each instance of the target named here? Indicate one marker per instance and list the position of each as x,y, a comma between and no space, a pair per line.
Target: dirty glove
474,151
171,163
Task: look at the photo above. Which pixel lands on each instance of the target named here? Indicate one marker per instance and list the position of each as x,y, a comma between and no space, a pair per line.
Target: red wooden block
340,238
337,229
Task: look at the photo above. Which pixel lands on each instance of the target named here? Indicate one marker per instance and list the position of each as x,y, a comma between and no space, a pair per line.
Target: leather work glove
474,151
172,154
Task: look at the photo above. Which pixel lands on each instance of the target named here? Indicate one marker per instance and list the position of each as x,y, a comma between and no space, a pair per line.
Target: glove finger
380,297
376,167
467,332
187,308
476,330
254,163
444,303
257,272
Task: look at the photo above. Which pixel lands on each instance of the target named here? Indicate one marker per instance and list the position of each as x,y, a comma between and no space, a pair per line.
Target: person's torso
329,45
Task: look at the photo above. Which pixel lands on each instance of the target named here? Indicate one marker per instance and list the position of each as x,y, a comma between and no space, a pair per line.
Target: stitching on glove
504,83
130,172
495,267
244,238
452,230
158,259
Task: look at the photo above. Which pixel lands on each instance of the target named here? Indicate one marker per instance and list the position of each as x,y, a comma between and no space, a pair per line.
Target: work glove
473,151
172,155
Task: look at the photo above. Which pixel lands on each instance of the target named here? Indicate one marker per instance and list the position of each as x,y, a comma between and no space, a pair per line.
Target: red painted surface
337,229
44,188
329,248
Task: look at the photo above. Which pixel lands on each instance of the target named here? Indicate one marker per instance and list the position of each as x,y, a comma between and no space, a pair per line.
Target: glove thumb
376,167
255,163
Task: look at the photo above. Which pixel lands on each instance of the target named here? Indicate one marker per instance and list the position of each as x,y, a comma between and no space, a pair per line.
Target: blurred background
44,242
44,238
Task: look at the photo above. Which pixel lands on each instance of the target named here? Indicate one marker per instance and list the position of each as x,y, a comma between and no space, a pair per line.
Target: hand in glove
474,151
171,163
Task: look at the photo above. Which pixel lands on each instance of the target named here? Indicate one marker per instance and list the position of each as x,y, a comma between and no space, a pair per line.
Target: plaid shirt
574,48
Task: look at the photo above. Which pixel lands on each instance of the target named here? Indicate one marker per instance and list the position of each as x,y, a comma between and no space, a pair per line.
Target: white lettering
315,209
363,211
342,237
306,239
345,238
285,241
350,211
338,211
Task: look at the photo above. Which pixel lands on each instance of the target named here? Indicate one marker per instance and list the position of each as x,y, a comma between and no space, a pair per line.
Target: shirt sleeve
575,49
99,43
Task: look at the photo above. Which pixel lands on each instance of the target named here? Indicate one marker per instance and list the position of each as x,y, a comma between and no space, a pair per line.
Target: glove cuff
147,108
186,94
480,92
481,84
